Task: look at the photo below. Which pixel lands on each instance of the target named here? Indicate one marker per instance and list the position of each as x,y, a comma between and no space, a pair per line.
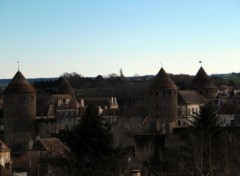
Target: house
52,156
189,104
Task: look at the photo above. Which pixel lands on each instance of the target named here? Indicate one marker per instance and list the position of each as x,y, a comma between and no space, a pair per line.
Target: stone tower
204,85
162,103
19,108
65,88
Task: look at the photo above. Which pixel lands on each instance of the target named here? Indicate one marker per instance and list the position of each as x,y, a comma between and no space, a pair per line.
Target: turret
19,108
204,85
162,103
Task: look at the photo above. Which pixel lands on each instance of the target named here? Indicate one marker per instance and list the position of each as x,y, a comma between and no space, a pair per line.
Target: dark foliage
91,146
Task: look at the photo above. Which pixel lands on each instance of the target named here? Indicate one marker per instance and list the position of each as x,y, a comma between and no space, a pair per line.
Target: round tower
19,109
162,103
204,85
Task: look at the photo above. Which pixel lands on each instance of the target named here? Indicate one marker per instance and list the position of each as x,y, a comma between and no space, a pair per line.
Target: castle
151,129
145,131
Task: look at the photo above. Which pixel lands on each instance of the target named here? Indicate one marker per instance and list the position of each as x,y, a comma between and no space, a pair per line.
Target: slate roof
190,97
202,80
19,84
65,87
162,81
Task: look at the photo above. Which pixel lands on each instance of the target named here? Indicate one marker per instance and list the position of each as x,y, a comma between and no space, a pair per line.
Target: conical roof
162,81
19,84
65,87
202,80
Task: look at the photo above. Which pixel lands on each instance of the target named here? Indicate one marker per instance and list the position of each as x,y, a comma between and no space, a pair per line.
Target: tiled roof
229,108
134,111
190,97
19,84
162,81
4,171
97,101
72,104
202,80
3,147
109,112
65,87
53,145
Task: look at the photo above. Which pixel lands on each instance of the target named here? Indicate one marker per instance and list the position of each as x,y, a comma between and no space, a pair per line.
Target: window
157,116
169,92
179,123
156,93
179,111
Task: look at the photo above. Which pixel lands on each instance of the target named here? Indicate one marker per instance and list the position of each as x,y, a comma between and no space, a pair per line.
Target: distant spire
18,65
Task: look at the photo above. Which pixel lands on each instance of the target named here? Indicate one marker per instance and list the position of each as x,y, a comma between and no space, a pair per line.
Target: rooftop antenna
18,65
200,62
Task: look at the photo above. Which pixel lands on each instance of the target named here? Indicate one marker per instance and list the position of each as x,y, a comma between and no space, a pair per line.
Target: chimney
59,102
115,101
112,103
30,144
82,102
37,137
67,101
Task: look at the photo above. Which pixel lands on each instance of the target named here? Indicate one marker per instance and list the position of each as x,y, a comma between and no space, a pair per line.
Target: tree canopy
91,146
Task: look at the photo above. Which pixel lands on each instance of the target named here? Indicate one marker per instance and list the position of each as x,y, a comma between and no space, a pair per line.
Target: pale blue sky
91,37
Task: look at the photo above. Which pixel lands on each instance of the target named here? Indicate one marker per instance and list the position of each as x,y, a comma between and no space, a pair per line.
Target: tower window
179,123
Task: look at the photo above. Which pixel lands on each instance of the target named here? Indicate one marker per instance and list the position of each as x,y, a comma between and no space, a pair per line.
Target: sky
100,37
